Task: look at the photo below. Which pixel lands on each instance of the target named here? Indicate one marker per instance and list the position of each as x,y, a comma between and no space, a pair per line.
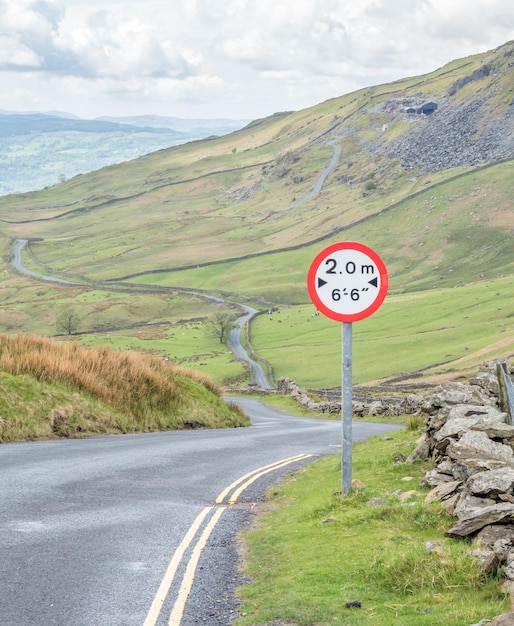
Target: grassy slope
52,389
226,197
443,332
311,551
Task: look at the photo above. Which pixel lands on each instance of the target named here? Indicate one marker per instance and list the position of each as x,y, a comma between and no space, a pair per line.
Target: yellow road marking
162,592
233,498
187,582
270,467
238,486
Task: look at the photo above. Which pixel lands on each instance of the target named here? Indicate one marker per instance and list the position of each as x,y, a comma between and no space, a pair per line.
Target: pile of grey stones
471,443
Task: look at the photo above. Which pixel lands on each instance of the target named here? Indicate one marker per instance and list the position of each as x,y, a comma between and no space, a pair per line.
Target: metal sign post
347,282
346,409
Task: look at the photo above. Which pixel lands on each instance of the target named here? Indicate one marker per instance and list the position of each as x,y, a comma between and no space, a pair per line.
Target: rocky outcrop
472,126
471,443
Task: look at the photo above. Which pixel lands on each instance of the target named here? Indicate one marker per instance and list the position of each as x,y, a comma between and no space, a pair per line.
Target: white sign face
347,281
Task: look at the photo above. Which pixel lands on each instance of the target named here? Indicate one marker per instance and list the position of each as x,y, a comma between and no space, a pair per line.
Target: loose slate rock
477,444
354,604
477,519
442,491
492,482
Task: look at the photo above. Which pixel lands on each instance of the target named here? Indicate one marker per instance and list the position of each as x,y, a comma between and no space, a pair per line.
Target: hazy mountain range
41,149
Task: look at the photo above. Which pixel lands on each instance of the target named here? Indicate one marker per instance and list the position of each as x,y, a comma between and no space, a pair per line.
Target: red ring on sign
337,315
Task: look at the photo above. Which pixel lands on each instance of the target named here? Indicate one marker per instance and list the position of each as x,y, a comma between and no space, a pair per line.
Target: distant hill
195,126
420,169
42,149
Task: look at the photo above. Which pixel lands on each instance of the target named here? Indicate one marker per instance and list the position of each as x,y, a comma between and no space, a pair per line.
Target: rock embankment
469,123
471,442
456,135
469,437
364,404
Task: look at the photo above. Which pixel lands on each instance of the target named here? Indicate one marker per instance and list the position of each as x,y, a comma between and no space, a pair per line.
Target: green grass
55,389
445,237
303,568
28,408
438,332
186,344
444,331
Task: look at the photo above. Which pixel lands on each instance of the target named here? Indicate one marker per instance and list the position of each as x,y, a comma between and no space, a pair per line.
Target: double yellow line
228,496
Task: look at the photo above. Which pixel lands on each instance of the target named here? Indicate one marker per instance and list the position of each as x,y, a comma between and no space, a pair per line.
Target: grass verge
311,551
440,332
54,389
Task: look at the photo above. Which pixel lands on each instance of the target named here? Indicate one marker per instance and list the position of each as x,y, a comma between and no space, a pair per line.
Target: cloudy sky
239,59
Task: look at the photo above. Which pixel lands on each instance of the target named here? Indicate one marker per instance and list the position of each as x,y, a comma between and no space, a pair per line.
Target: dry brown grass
156,394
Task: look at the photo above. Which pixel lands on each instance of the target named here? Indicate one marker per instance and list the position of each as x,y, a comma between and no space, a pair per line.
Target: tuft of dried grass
132,382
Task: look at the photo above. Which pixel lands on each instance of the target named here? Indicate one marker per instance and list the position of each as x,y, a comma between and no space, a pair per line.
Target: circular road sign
347,281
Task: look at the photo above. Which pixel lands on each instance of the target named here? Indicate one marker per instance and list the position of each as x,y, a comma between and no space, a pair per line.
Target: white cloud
235,58
109,46
13,53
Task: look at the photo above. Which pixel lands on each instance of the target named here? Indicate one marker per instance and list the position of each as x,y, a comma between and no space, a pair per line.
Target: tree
221,323
67,322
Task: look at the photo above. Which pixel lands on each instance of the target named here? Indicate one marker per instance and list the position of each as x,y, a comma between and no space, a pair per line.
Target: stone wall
363,404
471,444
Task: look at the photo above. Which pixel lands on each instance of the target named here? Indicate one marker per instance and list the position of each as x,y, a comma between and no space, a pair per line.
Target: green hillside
51,389
245,214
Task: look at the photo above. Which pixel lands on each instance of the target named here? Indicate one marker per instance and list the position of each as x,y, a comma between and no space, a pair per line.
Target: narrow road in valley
259,376
140,530
19,267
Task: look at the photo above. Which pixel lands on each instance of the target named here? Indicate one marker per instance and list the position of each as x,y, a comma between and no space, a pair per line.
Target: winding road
140,530
320,181
19,267
259,376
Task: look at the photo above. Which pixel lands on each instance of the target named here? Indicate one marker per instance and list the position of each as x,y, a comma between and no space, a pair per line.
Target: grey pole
346,409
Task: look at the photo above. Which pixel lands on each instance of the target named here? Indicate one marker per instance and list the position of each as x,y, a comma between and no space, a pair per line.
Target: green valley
243,215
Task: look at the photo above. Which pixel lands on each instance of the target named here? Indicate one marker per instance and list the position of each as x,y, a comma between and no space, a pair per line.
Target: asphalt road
259,376
18,266
101,531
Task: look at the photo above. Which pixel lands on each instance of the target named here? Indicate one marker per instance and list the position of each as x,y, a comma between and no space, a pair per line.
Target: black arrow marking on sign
374,282
321,282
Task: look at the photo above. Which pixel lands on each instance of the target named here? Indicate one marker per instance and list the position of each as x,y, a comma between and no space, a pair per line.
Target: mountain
419,169
41,149
251,190
202,126
17,124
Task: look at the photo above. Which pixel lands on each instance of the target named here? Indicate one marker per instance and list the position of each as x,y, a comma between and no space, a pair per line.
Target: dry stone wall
363,405
471,443
469,438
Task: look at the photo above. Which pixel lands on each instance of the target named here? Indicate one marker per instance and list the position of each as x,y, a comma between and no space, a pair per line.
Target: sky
237,59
